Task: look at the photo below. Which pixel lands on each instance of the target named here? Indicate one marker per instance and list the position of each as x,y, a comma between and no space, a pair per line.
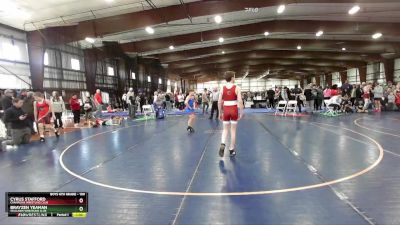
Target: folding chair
291,106
248,104
67,117
281,106
148,111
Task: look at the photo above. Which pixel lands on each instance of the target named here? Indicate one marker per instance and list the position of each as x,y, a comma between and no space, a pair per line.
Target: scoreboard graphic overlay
47,204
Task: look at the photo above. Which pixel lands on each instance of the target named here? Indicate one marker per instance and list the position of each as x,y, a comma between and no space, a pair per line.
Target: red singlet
229,98
43,112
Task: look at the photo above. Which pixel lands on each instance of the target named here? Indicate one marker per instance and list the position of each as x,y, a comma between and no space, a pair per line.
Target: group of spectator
27,113
374,97
207,98
359,97
203,100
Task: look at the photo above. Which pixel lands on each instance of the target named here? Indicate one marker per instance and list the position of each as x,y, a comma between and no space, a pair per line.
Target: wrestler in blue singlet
191,104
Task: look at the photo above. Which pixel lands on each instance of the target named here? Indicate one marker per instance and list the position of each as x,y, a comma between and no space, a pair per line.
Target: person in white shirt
58,106
284,94
205,100
391,100
214,106
335,101
130,100
124,102
378,95
181,100
155,96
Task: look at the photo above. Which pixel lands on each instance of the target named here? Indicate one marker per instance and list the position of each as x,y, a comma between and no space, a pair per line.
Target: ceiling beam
211,75
130,21
260,66
251,60
292,26
263,54
355,47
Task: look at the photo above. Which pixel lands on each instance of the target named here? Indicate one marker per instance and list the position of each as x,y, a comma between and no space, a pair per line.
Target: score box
47,204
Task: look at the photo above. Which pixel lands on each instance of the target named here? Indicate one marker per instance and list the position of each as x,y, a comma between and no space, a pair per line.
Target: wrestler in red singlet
43,109
228,103
230,107
43,113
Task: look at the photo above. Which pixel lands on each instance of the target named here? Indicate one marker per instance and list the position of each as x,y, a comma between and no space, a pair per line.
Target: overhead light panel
319,33
218,19
221,39
281,8
171,47
149,30
266,33
90,40
354,10
264,75
298,47
223,52
245,75
376,35
343,49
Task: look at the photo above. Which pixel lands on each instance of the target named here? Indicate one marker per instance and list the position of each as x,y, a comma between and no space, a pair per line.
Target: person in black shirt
346,88
142,101
27,107
359,93
6,103
308,92
271,98
20,131
318,99
297,91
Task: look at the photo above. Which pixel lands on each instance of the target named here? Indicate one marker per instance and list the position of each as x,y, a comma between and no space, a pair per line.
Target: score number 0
253,10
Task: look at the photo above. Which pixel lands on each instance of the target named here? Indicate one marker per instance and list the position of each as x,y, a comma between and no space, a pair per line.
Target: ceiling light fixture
218,19
90,40
221,39
264,75
266,33
223,52
149,30
281,8
319,33
298,47
354,10
343,49
246,74
171,47
376,35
